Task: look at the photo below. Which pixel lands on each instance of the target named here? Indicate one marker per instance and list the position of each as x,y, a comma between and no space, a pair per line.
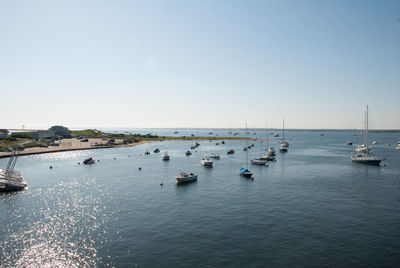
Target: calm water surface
312,207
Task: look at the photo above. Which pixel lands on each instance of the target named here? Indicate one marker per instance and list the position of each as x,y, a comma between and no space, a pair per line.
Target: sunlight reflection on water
61,233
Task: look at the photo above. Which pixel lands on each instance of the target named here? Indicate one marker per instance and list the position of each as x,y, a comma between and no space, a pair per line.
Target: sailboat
271,156
284,144
245,172
11,180
362,156
262,160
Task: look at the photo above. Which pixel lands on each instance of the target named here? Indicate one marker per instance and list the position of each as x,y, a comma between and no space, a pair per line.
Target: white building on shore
36,134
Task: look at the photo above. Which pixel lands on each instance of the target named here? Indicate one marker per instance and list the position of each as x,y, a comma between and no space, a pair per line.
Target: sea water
312,207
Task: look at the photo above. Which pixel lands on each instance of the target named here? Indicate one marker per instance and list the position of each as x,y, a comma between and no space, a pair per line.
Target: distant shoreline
74,147
67,145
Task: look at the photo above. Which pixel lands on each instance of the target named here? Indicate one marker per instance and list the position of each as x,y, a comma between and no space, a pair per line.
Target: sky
199,63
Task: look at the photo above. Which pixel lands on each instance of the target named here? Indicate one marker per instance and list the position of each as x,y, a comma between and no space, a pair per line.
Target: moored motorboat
183,177
244,172
284,144
89,161
188,152
363,148
349,143
231,151
165,156
147,152
271,151
206,161
214,156
283,148
259,161
157,150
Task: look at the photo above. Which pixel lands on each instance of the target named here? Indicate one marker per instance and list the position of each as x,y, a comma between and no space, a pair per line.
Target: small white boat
268,157
259,161
271,151
284,143
283,148
214,156
374,142
363,148
206,161
183,177
165,156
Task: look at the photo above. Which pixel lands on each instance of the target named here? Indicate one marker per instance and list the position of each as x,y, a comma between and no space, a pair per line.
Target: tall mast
247,166
283,130
366,131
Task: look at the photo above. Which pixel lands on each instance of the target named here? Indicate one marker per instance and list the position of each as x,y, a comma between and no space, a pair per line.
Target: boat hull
259,162
207,164
11,187
374,162
186,179
246,174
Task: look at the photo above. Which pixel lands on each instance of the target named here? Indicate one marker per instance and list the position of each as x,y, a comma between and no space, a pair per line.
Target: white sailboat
284,144
245,172
271,156
10,179
262,160
362,156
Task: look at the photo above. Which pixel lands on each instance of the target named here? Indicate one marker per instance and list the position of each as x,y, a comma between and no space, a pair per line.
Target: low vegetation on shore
94,133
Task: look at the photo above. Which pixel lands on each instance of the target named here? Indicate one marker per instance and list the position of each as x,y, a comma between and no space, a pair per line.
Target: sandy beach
72,145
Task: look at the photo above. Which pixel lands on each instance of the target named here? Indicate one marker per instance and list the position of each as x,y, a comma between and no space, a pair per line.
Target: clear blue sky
199,63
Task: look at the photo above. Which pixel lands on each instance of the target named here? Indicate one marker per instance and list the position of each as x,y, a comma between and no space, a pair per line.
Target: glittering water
312,207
